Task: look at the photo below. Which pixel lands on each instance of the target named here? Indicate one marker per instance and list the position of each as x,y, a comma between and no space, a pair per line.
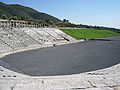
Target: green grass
78,33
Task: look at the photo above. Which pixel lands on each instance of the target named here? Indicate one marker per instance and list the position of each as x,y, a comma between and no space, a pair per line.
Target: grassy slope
89,33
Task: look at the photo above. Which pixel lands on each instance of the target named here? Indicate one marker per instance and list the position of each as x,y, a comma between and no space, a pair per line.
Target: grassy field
78,33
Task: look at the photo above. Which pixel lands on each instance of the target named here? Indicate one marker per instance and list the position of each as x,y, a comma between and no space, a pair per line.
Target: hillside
22,11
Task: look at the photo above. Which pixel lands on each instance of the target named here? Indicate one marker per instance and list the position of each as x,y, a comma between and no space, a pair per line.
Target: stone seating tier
19,38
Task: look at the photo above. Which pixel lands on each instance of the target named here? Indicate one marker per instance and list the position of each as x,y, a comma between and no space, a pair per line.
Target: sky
90,12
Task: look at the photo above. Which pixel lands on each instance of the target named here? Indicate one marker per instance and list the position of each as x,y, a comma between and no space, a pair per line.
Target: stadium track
67,59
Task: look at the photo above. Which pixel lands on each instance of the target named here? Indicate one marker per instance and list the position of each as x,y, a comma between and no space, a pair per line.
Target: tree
13,18
3,17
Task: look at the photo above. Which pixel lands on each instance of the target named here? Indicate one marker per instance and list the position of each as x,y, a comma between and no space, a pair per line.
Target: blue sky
90,12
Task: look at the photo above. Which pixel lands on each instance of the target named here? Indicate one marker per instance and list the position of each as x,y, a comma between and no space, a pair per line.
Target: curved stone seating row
18,38
4,47
54,34
65,36
24,38
33,34
9,39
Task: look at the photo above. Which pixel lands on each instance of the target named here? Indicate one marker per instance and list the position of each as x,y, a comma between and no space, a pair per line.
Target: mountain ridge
11,10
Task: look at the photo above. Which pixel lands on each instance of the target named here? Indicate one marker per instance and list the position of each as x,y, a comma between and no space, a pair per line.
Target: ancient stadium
35,57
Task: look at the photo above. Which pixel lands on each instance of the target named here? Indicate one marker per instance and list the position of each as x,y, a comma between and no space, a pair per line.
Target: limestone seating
45,35
34,35
23,37
54,34
9,39
48,39
18,38
4,47
63,34
49,35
